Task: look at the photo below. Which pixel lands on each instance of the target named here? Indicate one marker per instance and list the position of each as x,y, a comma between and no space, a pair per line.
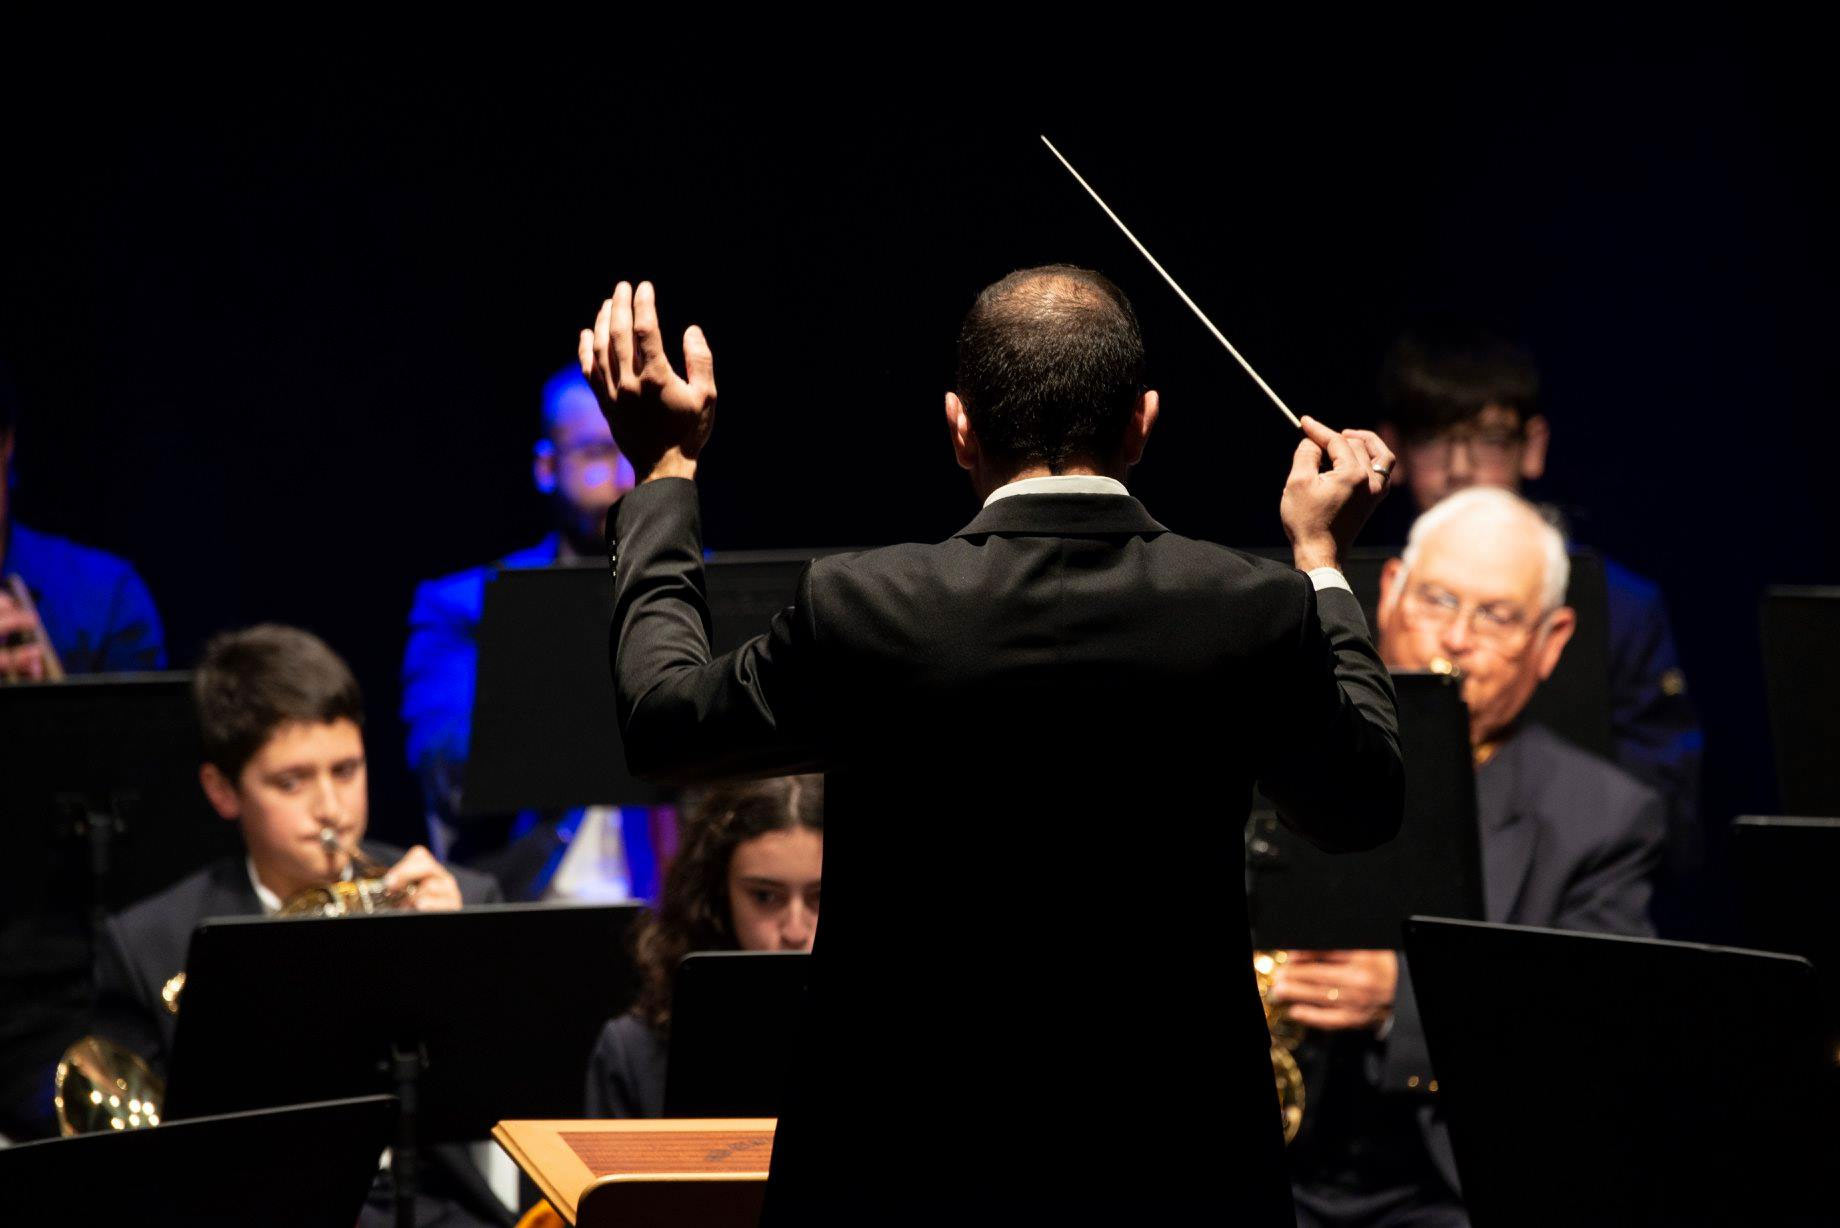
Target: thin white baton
1199,314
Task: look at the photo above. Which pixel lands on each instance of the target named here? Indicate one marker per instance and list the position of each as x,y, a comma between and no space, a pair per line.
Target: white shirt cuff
1328,577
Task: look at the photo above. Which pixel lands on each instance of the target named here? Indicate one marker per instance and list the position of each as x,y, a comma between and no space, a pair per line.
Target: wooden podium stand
711,1172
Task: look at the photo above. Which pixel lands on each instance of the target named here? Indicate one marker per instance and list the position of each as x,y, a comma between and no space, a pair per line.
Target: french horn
102,1086
360,891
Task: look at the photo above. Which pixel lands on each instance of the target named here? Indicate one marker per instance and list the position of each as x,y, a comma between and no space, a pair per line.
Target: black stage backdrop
280,327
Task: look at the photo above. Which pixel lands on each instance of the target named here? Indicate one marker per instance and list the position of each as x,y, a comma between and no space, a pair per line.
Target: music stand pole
406,1066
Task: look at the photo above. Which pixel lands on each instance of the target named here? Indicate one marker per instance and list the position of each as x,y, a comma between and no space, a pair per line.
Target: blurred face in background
1494,448
773,883
307,777
581,469
1473,599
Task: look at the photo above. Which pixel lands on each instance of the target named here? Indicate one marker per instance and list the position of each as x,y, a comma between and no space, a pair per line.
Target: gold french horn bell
102,1086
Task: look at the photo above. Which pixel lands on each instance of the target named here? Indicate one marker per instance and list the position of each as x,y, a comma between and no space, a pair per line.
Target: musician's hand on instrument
1323,509
429,885
22,644
1338,990
659,419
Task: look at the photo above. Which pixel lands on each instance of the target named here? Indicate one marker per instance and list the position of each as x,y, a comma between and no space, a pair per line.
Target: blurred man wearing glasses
1568,840
1461,408
601,852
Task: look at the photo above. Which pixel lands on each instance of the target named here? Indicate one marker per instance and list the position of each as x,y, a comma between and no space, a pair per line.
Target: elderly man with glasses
1463,407
1569,840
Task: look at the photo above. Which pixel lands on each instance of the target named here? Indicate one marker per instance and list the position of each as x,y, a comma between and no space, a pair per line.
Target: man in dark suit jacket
280,716
1060,668
1569,840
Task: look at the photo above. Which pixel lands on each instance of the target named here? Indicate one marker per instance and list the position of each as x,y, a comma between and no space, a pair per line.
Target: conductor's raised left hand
661,420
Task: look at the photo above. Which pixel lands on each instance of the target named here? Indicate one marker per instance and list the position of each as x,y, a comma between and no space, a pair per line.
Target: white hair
1486,504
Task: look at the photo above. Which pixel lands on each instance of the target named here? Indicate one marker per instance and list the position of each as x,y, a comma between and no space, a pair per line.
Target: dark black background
280,321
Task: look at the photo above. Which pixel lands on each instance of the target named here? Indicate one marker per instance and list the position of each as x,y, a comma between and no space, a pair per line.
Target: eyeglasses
1502,625
1489,448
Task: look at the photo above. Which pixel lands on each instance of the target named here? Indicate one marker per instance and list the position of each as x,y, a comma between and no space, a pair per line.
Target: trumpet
359,890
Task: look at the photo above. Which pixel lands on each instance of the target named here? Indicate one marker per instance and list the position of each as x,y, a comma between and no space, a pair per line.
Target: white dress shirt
271,903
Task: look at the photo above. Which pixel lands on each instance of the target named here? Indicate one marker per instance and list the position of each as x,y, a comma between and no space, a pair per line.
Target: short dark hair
693,910
1050,364
1444,372
252,682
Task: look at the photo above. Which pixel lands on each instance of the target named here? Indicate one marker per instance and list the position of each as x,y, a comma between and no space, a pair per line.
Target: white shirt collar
271,903
1059,484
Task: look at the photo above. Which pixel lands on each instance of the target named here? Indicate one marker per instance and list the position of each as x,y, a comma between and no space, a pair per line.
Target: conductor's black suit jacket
1040,740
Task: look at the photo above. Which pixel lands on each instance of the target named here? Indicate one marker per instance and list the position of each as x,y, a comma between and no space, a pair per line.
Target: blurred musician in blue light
65,608
601,852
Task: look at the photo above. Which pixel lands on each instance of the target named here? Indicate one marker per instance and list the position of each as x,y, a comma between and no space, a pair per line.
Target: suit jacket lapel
1509,837
230,893
1063,516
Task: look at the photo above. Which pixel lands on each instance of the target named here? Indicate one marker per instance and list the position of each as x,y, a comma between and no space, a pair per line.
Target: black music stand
1787,870
305,1166
421,1005
100,793
1301,897
1590,1079
1575,702
735,1019
545,734
1800,628
99,807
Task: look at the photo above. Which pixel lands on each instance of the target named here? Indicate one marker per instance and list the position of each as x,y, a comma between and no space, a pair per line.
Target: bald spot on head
1046,296
1050,364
